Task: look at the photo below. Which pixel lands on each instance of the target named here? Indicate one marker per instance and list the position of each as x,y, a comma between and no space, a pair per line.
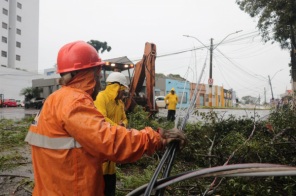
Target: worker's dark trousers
110,184
171,115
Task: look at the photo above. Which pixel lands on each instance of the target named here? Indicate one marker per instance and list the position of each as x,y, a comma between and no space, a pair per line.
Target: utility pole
210,77
212,48
271,88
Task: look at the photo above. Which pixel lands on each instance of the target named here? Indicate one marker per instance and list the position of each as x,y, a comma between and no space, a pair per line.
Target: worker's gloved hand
172,135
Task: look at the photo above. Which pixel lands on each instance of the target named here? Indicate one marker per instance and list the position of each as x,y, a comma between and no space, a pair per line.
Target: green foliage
216,140
100,46
277,19
249,99
139,119
137,177
31,92
211,142
12,135
9,161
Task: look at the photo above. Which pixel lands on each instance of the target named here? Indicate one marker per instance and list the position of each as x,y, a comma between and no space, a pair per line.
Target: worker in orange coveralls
70,138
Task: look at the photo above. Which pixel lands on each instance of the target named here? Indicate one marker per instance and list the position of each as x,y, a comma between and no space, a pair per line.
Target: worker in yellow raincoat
171,100
109,103
69,138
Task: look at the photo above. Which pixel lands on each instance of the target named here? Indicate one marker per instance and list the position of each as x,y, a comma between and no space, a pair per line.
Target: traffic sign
210,81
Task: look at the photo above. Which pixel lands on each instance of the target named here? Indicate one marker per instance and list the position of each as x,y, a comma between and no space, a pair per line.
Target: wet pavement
222,113
16,113
20,113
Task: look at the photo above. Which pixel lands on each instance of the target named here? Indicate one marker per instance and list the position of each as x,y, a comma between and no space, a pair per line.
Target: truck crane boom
144,69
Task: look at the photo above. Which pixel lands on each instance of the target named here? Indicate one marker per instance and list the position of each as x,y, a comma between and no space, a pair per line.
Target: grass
12,135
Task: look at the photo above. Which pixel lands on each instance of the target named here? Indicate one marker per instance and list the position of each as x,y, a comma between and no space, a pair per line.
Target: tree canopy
176,76
277,19
249,99
31,92
100,46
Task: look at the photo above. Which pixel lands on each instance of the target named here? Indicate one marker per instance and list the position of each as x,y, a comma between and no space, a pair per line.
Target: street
16,113
19,112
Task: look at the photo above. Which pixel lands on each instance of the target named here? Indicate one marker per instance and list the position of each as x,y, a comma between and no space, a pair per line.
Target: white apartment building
19,34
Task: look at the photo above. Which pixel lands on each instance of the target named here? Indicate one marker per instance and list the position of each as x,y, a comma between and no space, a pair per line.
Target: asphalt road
20,112
16,113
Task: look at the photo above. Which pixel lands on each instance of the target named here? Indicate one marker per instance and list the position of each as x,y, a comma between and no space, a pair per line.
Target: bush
216,141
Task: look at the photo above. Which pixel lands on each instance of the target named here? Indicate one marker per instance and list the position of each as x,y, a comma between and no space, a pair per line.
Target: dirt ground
18,180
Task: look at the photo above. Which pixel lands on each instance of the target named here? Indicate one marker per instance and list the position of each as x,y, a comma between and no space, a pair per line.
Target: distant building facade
19,33
163,86
12,82
217,95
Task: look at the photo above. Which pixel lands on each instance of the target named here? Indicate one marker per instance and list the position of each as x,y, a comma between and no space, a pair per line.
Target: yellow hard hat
172,89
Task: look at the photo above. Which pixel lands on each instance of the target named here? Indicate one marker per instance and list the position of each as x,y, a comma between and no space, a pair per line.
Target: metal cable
235,170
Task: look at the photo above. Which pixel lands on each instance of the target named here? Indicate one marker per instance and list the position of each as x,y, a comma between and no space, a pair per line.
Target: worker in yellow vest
109,103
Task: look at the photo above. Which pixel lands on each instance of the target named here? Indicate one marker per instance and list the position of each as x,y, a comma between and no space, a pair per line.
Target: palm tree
31,92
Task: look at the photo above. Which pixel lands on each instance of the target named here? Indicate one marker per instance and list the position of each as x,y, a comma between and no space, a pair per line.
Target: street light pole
272,98
210,81
211,59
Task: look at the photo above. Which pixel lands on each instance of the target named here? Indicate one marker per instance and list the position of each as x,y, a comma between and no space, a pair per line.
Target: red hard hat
76,56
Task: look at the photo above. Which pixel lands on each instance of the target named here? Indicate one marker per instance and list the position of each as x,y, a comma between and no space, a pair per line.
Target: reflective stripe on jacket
172,101
69,120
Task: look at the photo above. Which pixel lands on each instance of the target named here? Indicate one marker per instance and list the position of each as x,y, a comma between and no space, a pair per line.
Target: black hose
168,168
151,184
141,189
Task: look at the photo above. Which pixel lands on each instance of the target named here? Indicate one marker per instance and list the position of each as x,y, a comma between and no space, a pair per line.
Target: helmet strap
65,78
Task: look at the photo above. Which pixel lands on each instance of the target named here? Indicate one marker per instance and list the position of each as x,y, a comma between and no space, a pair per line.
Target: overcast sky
241,61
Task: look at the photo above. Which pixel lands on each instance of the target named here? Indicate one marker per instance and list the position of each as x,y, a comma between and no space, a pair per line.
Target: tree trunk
293,59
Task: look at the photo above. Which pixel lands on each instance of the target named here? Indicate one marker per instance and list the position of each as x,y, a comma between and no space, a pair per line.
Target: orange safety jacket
70,140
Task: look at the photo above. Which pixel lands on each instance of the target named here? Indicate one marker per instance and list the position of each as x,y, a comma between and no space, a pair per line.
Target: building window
4,25
184,98
4,39
207,98
18,57
3,53
50,73
18,31
18,44
18,18
5,11
19,5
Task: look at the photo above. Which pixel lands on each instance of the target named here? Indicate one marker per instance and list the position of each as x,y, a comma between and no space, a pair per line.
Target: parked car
35,103
9,103
160,102
20,103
